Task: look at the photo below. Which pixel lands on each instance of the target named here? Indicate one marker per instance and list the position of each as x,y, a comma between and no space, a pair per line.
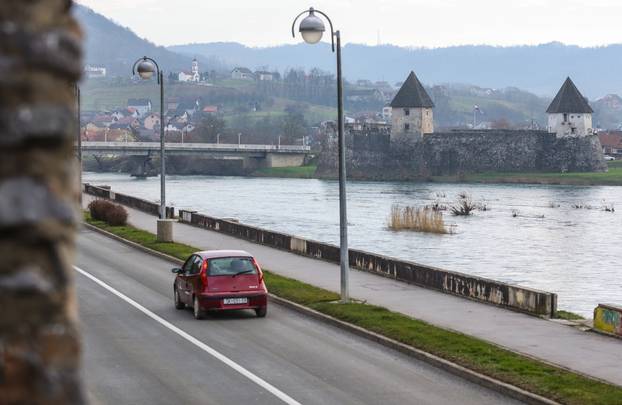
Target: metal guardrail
192,147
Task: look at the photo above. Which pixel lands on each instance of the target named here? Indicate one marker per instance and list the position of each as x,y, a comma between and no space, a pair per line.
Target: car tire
261,312
196,309
177,300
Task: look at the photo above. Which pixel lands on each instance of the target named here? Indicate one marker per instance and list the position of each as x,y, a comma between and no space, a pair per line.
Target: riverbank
475,354
611,178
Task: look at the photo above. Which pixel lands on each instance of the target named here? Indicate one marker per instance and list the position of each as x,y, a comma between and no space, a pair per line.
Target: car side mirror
176,270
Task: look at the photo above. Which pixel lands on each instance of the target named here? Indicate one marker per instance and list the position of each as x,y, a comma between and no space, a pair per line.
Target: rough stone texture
40,60
461,152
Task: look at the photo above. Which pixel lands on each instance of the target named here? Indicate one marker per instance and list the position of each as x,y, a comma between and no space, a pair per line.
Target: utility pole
41,54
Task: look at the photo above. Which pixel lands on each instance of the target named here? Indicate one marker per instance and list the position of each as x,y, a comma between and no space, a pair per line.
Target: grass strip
612,178
486,358
569,316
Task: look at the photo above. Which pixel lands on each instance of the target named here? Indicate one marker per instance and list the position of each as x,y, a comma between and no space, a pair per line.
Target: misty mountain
115,47
540,69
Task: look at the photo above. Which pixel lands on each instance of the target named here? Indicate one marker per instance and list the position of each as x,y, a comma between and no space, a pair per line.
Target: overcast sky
427,23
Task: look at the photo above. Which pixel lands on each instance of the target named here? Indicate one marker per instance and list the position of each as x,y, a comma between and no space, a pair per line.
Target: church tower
570,115
196,76
411,115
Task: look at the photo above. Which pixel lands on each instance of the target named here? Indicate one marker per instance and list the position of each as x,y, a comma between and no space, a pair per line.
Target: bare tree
40,62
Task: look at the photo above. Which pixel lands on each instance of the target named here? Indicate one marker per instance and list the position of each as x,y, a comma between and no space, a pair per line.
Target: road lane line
256,379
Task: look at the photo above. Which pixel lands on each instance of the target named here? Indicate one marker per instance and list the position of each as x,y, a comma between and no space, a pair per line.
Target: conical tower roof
412,95
569,100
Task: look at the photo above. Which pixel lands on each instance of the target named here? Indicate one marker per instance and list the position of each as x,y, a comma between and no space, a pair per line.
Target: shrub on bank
104,210
417,219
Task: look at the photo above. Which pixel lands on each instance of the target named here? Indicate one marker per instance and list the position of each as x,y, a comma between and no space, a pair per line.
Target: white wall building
193,75
569,114
94,72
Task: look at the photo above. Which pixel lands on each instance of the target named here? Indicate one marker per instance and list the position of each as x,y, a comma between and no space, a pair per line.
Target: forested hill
540,69
115,47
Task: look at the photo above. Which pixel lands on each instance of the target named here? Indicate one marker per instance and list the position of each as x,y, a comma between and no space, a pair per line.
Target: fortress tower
570,115
412,115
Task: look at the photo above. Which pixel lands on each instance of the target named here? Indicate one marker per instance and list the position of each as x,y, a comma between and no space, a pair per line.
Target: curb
446,365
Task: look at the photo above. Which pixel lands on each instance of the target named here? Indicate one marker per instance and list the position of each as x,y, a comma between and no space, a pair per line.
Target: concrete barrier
522,299
608,319
137,203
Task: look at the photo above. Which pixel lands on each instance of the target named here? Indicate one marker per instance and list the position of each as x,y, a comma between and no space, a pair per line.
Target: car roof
213,254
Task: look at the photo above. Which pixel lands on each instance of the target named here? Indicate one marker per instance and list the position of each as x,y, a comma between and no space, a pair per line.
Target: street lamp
311,29
146,68
78,105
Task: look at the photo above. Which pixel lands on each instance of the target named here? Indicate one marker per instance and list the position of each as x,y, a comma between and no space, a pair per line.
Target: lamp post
146,68
79,141
311,29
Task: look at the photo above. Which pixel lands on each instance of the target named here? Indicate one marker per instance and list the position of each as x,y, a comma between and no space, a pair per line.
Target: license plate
235,301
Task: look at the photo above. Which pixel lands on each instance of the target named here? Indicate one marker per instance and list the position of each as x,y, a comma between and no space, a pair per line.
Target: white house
94,72
141,105
570,115
242,73
263,75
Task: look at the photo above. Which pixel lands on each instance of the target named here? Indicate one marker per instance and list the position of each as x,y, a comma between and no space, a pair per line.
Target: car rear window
228,266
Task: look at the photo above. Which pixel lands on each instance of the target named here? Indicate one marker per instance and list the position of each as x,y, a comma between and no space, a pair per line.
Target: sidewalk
584,352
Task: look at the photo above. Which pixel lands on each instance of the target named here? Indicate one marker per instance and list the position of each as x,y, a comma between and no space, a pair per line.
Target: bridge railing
86,145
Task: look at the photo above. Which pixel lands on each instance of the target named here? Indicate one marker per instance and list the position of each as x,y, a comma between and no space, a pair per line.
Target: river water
529,235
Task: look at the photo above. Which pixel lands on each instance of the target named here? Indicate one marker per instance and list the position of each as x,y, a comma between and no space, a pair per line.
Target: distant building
611,142
152,121
386,112
411,110
94,72
364,95
570,115
191,76
262,75
210,109
141,105
242,73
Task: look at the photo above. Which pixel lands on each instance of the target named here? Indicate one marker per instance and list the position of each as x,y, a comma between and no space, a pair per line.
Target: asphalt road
139,350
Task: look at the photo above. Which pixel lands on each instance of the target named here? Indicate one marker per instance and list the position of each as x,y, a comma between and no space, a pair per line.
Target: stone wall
461,152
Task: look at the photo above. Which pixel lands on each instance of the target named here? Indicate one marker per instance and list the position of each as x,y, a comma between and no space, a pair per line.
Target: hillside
115,47
539,69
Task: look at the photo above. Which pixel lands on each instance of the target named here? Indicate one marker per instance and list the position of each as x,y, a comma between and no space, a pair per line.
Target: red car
220,280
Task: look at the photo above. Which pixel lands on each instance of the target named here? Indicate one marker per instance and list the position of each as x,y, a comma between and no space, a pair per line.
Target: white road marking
256,379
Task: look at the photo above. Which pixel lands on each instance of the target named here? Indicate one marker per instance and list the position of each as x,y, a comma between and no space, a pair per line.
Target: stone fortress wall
374,156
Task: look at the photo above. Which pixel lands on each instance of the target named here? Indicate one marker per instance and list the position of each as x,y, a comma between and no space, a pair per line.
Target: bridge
251,156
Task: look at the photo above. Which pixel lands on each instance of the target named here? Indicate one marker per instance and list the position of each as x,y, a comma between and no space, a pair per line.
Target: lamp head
311,28
146,69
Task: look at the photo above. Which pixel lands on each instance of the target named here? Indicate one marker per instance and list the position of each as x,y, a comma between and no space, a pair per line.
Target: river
553,238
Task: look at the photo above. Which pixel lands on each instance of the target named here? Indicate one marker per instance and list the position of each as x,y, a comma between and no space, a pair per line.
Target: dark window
573,130
196,265
228,266
565,117
188,265
406,111
406,127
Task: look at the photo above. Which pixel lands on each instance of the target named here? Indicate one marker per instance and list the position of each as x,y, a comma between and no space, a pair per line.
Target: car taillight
259,272
204,273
